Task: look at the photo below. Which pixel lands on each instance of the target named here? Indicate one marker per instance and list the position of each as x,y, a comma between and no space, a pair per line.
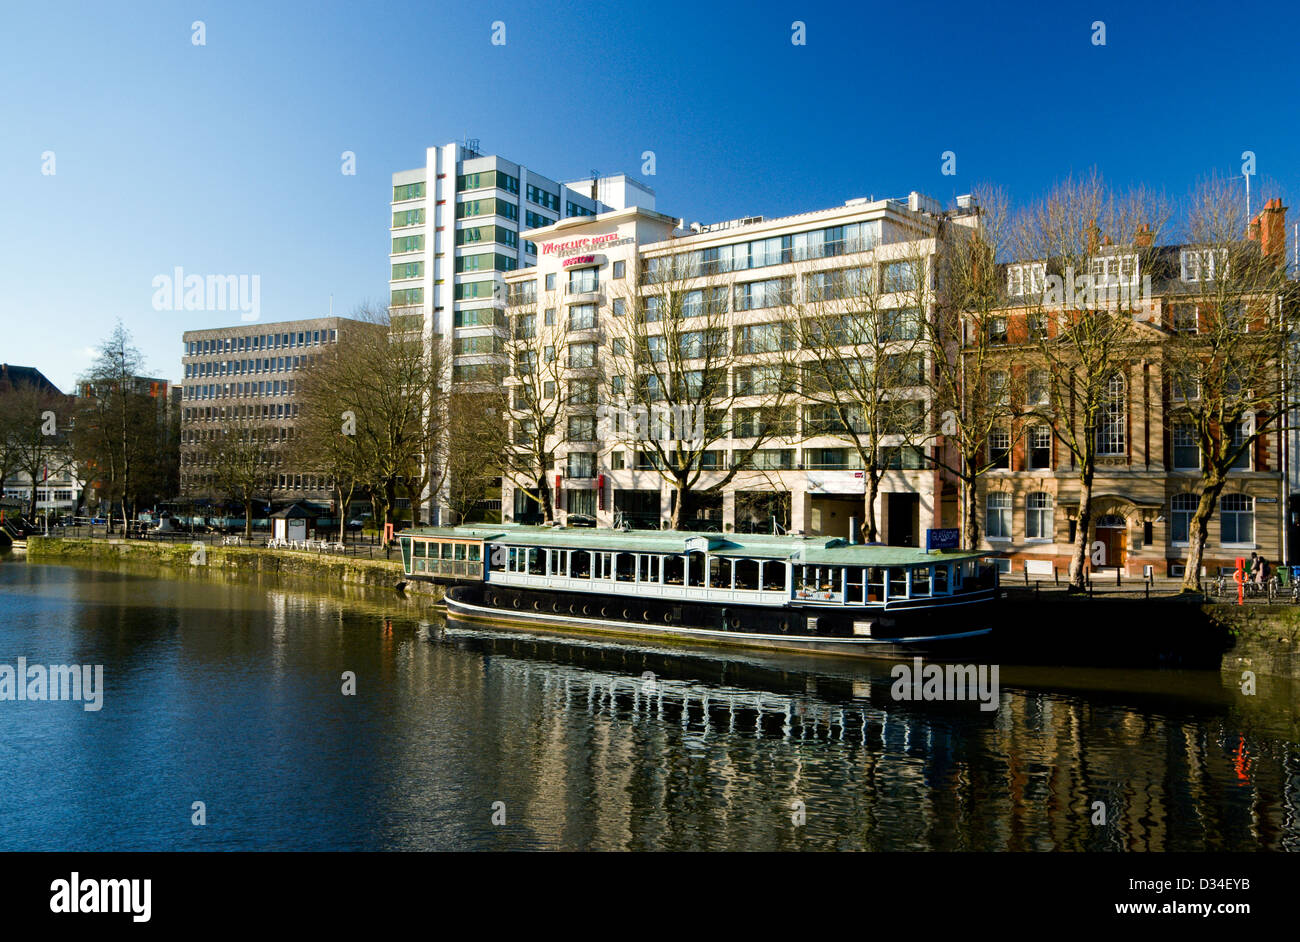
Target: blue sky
225,158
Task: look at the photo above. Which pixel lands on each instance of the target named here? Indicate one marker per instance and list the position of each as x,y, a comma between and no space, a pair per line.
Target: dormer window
1203,264
1026,280
1114,270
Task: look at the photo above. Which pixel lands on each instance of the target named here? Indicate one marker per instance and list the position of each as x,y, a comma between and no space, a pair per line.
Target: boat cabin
733,569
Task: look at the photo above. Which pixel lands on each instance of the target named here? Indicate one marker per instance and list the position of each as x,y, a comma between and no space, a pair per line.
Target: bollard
1118,571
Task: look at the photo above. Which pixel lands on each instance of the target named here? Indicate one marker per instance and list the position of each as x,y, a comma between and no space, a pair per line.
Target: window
998,516
550,282
764,338
1113,427
1181,509
999,449
1237,436
582,316
1236,519
1185,320
619,269
899,276
544,198
1038,388
1036,325
408,191
620,307
582,280
1027,279
582,428
582,392
617,460
548,317
997,330
999,389
1187,451
1114,270
1039,451
582,355
1184,386
1038,516
1203,264
581,464
760,294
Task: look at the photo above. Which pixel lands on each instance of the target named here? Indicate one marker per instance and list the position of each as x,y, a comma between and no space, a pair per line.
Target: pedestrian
1261,570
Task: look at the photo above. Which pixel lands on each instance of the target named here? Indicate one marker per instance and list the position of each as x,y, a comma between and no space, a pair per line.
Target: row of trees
118,438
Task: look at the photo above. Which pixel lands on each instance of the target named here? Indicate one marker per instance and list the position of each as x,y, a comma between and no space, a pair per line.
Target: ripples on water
229,692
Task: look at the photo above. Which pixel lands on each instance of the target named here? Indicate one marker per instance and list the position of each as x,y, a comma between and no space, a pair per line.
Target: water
228,692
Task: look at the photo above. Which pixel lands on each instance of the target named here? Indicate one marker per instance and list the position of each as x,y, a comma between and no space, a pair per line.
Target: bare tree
694,363
477,422
240,457
1227,343
555,374
864,372
1084,323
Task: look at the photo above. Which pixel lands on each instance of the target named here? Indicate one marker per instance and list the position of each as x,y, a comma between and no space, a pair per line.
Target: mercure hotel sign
584,245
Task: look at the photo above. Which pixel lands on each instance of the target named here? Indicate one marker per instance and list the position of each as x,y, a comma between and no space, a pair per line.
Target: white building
587,268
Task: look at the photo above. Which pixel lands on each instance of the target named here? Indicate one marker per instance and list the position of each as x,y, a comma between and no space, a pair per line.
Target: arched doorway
1112,532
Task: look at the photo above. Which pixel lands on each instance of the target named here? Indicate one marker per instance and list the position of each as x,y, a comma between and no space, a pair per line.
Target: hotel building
594,273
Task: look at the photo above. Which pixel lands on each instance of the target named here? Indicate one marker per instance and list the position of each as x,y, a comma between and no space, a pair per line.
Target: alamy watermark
84,682
181,292
918,681
650,423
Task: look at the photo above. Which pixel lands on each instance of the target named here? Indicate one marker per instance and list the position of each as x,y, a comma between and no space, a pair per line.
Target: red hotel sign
579,260
584,245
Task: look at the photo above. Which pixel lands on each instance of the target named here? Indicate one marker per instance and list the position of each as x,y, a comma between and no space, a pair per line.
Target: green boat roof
827,550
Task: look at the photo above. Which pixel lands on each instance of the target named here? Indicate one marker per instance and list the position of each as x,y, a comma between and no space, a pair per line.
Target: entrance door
1112,532
904,511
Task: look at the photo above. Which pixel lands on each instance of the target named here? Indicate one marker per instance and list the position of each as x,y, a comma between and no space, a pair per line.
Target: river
230,693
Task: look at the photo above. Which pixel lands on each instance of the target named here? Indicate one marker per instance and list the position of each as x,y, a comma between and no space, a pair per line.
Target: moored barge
811,594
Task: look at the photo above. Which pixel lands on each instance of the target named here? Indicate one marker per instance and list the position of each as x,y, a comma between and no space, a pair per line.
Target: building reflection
633,747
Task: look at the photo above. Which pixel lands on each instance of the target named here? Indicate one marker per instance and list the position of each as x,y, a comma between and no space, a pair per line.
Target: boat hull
777,629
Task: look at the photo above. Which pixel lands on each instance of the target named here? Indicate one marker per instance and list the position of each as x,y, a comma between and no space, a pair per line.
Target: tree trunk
248,517
1197,534
871,484
970,525
544,498
1079,556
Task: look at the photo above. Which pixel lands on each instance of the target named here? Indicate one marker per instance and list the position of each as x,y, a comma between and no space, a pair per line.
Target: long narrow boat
814,594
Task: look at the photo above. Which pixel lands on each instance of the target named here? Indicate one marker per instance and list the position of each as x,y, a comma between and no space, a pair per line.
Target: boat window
419,548
580,564
460,552
940,580
625,567
720,572
855,586
696,569
406,555
773,575
649,568
897,582
474,550
875,584
921,580
674,568
536,564
747,574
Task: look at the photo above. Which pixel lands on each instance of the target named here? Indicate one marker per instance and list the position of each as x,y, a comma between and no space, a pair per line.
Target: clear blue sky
225,158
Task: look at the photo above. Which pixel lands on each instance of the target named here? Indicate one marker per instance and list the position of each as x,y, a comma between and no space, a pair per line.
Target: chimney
1143,237
1269,230
1092,236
